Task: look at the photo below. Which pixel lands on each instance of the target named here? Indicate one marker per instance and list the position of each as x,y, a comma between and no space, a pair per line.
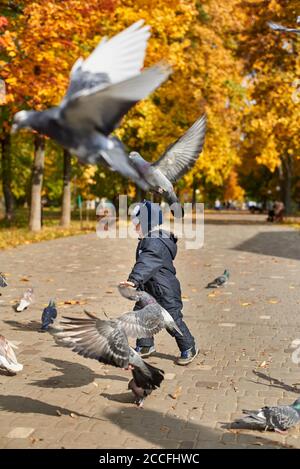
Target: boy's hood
169,240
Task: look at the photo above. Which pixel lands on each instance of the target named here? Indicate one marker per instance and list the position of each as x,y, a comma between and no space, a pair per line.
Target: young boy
155,273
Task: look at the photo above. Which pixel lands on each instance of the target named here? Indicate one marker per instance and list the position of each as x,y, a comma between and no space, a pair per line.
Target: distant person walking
217,205
279,210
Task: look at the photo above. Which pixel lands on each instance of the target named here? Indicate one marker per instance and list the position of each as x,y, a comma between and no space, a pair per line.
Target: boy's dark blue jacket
154,271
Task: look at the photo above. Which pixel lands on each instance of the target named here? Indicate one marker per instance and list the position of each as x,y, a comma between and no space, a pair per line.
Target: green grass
16,233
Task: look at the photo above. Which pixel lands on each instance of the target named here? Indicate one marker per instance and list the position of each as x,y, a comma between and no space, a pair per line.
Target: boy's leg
145,342
185,342
145,347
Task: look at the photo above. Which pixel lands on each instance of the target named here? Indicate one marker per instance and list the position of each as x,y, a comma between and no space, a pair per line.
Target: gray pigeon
3,281
282,29
106,341
219,281
177,160
150,319
279,418
102,89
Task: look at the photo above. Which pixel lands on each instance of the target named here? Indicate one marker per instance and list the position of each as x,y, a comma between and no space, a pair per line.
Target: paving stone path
245,332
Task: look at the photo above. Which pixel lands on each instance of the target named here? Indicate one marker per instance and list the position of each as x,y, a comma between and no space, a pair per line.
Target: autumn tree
41,44
271,121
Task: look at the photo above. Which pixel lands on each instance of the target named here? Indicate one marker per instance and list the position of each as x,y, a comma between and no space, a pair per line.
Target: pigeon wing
103,106
122,56
281,417
181,156
113,60
144,322
94,338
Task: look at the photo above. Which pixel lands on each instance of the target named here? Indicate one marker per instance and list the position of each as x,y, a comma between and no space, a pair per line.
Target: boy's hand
127,283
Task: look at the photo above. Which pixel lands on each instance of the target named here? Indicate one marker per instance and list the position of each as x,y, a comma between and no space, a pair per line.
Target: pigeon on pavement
219,281
150,319
102,89
278,418
49,315
107,342
3,281
8,359
282,29
177,160
26,300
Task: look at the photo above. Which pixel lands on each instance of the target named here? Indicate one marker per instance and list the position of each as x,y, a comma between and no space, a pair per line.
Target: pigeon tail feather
145,381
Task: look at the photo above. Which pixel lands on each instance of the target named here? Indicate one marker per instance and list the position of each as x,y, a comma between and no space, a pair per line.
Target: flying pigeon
149,319
49,315
8,359
282,29
107,342
176,161
3,281
219,281
102,89
26,300
279,418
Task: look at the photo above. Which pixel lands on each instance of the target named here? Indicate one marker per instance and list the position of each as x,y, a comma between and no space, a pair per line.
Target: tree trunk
6,177
35,222
65,220
287,184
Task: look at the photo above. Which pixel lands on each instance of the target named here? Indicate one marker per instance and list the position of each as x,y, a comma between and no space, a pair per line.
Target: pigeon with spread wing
107,342
102,89
177,160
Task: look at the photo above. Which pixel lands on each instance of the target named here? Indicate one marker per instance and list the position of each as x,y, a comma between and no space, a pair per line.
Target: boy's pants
184,341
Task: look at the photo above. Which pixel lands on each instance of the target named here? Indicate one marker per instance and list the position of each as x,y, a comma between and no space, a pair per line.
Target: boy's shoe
187,356
145,352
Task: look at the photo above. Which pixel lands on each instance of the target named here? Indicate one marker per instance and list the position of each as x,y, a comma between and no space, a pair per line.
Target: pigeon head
136,157
296,404
138,161
52,303
22,120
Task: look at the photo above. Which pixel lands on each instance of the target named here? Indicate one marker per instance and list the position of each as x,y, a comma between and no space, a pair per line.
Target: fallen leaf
108,291
24,279
164,429
273,301
263,364
59,413
246,304
177,393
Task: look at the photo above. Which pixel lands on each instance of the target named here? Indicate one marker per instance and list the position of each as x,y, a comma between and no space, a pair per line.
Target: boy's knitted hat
148,214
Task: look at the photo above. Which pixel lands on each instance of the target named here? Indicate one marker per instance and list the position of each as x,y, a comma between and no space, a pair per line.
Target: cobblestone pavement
245,332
